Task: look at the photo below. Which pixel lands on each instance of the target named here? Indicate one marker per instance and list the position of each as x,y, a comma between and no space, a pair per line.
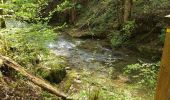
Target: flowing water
96,65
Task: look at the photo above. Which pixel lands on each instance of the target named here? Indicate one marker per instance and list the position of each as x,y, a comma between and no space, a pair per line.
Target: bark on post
163,87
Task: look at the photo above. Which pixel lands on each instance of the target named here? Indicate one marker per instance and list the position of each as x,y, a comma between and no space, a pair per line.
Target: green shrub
29,10
101,18
127,29
116,39
26,45
145,73
25,9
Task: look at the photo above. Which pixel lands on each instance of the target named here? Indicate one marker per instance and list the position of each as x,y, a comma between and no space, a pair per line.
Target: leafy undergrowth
144,74
88,85
99,19
27,46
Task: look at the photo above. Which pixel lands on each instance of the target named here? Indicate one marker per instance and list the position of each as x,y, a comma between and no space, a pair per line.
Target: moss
68,81
56,74
48,96
94,94
52,68
67,84
53,73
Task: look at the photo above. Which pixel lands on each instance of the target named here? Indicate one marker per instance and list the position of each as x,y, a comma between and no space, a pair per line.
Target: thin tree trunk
127,10
73,12
120,11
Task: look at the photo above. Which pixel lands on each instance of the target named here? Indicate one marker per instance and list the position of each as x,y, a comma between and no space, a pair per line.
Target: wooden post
163,87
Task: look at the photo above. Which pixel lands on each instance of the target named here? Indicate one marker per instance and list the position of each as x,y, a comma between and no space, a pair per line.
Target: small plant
127,29
116,39
145,73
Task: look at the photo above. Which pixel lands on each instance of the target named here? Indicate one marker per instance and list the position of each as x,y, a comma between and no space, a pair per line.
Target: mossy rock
53,73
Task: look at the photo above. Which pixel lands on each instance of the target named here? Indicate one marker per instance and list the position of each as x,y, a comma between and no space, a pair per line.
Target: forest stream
92,63
95,68
84,49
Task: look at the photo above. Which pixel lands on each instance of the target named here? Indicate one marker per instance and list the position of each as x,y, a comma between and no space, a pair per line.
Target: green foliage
104,94
101,18
52,69
25,9
150,6
26,45
127,28
65,5
48,96
145,73
116,39
29,10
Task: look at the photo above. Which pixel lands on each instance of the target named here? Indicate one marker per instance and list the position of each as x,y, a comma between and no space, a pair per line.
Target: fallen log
40,82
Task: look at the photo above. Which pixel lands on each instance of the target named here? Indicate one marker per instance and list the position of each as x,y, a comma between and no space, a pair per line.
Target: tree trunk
120,11
127,10
73,12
